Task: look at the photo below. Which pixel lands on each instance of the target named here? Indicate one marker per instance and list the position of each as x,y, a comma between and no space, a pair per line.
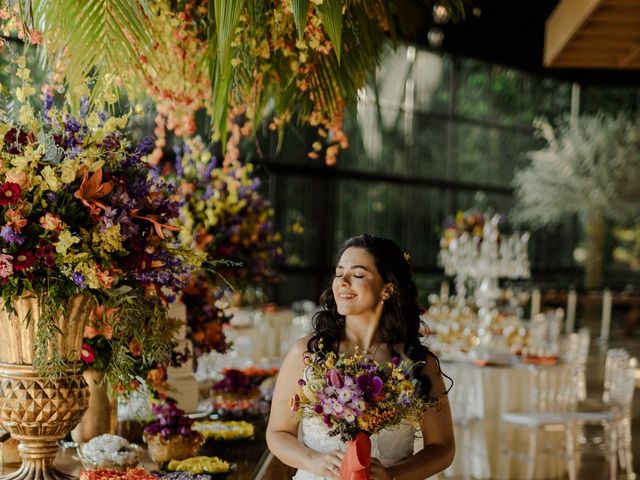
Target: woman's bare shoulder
300,345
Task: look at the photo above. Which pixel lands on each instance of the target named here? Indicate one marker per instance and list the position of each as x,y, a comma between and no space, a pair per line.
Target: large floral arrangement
352,394
80,215
225,217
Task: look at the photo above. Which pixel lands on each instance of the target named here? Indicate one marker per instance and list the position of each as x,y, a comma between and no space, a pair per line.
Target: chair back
574,348
619,380
554,389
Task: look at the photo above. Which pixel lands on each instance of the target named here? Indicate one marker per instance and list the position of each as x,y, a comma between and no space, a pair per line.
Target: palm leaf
99,37
330,13
300,10
226,15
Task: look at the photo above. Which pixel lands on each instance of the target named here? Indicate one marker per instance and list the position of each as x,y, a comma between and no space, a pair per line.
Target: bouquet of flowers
356,398
81,215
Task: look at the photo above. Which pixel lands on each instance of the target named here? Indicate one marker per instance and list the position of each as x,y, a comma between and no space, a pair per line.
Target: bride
371,307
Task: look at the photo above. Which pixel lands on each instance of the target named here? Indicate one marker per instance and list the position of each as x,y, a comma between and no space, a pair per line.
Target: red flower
46,253
9,193
24,260
87,355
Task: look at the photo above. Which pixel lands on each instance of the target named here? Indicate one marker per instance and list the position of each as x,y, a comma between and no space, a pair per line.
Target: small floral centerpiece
355,398
234,385
470,222
80,214
170,436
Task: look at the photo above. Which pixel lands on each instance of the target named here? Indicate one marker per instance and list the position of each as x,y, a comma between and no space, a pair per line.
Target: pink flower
335,379
87,355
6,266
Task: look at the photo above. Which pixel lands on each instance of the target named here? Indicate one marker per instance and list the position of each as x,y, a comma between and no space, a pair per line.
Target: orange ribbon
356,460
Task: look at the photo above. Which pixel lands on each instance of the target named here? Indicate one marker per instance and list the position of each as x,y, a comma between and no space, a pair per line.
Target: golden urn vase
39,411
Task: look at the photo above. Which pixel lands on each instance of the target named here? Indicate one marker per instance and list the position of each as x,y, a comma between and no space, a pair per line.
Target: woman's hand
379,471
326,464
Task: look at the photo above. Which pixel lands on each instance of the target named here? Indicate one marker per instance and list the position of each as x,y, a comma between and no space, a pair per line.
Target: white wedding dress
389,446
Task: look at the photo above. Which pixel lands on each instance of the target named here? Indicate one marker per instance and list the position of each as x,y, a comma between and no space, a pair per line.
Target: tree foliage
589,165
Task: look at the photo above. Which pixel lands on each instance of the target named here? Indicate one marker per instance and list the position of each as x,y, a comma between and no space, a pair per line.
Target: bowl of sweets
169,436
110,452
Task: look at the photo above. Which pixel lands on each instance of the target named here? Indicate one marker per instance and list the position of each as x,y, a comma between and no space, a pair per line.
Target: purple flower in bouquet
370,384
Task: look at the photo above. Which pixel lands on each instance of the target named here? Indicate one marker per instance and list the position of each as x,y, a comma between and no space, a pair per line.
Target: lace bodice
389,446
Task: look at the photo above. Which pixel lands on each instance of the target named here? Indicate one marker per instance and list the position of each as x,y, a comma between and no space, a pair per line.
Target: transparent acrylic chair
612,415
574,348
552,394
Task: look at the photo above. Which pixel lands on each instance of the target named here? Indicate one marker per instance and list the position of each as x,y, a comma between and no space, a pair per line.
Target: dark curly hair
400,322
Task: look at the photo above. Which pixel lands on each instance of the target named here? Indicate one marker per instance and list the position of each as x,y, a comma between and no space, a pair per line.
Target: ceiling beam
563,23
574,26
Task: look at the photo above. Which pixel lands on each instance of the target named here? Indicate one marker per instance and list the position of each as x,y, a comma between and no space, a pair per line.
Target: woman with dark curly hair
370,308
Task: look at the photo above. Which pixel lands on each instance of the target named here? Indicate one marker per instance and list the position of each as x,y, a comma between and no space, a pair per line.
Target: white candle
444,291
536,299
572,302
607,303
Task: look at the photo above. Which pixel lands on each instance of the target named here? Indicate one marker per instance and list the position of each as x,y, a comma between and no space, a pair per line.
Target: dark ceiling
511,32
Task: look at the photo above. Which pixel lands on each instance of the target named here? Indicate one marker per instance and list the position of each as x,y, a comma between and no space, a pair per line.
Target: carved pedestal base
38,412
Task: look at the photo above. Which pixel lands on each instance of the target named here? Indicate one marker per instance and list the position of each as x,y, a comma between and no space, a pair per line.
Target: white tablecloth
478,399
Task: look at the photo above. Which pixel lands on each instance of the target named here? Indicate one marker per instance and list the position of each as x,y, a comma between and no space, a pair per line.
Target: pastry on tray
202,464
221,430
111,474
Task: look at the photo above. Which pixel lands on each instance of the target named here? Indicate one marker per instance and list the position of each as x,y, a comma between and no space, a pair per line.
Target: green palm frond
300,10
330,12
94,38
103,38
226,16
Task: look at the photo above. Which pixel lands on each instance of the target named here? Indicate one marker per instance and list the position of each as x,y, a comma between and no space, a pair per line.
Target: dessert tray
224,430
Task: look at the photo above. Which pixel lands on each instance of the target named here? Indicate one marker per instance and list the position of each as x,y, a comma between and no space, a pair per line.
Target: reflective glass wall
435,135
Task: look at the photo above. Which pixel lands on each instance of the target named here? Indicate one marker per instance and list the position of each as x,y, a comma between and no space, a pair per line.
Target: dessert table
249,455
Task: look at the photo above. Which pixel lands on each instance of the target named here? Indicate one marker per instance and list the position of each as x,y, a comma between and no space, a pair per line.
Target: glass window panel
490,155
594,99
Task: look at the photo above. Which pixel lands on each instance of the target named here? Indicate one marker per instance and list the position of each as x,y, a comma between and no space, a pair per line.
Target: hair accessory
407,256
